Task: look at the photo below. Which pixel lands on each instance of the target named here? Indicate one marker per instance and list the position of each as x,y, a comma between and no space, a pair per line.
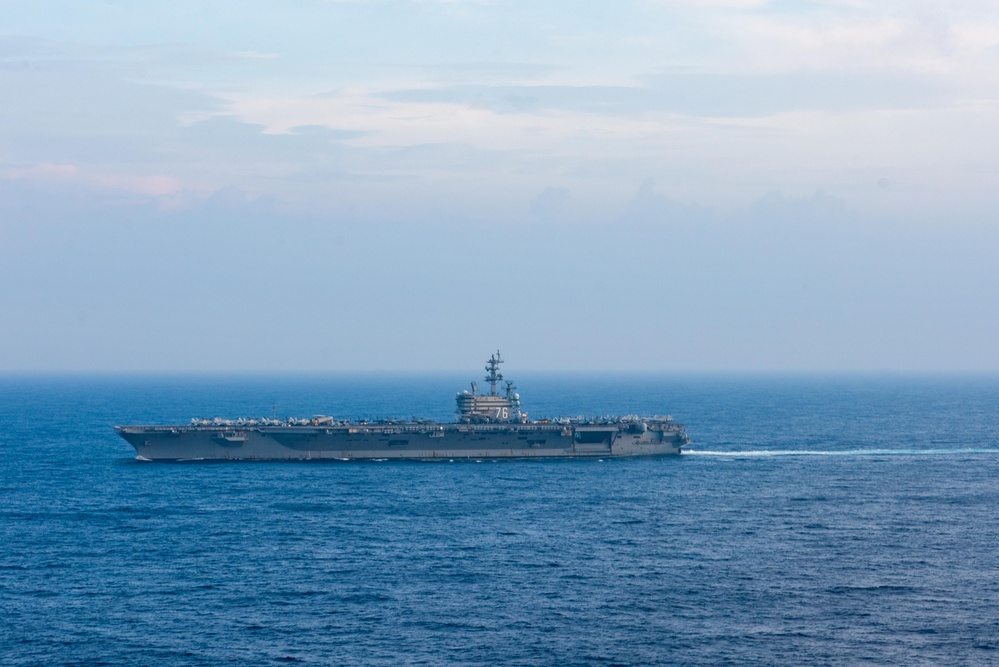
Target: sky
649,185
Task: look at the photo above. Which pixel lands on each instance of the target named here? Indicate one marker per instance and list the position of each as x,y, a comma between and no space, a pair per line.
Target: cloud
712,4
255,55
489,72
650,207
41,171
775,207
708,95
478,110
231,199
550,202
867,37
415,2
152,185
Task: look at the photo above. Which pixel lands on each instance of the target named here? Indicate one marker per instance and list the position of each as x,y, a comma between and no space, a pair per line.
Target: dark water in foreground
815,521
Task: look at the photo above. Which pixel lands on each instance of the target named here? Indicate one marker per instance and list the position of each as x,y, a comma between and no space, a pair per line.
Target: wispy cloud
152,185
722,100
256,55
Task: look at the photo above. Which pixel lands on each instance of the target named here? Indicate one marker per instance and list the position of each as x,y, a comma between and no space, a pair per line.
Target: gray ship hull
414,441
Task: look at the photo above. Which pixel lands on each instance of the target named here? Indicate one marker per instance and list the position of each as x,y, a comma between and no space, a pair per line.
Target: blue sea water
814,520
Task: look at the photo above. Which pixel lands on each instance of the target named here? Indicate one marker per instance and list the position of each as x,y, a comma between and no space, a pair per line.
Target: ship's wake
766,453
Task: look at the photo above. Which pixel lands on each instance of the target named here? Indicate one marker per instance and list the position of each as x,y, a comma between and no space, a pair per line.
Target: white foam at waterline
761,453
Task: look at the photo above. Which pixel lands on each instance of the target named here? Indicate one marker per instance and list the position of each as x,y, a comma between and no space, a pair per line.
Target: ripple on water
816,529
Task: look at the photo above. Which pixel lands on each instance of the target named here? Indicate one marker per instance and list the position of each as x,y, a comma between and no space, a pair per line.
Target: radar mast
493,376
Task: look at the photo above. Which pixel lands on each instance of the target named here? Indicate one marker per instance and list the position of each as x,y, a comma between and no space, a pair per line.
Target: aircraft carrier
487,426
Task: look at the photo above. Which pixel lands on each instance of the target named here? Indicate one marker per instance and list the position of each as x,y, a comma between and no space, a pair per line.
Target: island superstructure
488,425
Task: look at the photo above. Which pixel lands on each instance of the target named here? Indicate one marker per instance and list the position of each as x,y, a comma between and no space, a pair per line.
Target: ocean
821,520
